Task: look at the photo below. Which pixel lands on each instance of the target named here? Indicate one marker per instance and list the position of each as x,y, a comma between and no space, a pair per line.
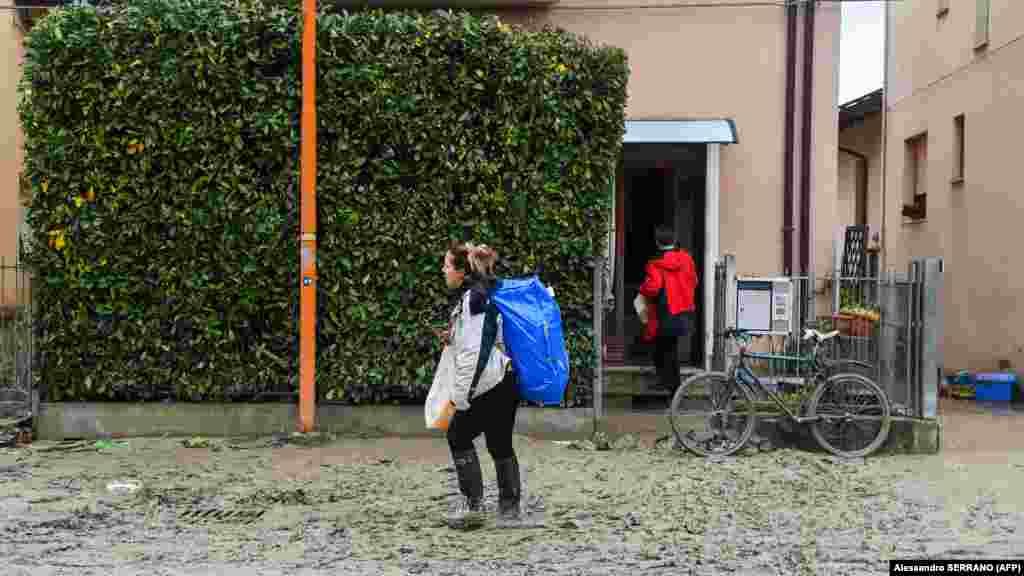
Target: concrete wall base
906,436
88,420
913,436
61,421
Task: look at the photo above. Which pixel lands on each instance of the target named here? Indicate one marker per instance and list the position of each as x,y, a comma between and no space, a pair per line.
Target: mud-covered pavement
376,505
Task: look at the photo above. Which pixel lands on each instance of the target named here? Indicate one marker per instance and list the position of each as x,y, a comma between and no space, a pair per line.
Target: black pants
666,361
494,414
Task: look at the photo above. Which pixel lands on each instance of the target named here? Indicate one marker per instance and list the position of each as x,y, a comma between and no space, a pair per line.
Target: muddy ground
376,506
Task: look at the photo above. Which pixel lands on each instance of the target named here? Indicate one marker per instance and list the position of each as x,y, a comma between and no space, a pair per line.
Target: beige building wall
935,74
865,139
725,62
825,167
849,190
10,152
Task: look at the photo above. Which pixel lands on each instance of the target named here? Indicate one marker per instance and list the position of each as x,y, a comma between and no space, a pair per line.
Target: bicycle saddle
811,334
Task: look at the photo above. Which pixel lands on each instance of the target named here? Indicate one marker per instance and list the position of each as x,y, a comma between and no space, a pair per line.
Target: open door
669,174
660,184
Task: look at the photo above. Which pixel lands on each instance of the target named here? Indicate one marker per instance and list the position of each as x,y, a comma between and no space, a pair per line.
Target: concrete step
635,387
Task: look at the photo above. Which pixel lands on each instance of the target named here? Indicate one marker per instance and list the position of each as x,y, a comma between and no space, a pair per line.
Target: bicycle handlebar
743,334
738,333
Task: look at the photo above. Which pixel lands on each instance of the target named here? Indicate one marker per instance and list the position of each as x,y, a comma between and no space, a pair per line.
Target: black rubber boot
469,511
509,491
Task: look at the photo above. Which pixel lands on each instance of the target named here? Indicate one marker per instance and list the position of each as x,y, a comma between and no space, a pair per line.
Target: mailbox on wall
764,305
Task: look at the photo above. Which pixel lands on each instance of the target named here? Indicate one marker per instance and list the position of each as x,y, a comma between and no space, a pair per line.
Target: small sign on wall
763,305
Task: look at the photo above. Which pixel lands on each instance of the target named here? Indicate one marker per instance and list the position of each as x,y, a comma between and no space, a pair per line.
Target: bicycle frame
740,378
742,375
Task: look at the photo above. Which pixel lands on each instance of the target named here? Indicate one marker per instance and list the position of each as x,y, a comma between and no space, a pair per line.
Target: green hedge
161,143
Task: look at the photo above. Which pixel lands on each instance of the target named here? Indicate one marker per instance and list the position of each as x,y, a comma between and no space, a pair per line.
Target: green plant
848,298
162,140
852,302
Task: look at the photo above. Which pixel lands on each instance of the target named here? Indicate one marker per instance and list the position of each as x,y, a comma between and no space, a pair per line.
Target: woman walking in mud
490,406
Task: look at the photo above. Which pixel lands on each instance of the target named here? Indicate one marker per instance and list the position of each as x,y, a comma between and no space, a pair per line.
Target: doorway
661,184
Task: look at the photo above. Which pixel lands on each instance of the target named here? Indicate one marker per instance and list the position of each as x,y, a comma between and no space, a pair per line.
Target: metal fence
16,346
892,325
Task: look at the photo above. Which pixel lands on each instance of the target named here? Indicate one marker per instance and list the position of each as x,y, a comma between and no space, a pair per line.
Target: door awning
720,131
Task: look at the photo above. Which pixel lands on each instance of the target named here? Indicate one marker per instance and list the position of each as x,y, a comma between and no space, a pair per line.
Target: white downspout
711,230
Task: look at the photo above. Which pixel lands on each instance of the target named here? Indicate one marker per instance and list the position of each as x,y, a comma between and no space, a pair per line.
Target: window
915,207
982,23
958,149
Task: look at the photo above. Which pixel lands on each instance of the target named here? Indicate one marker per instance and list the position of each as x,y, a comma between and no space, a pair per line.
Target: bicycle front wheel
712,415
851,415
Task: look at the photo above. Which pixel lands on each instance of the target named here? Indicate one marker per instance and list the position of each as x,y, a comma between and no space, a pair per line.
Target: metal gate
893,323
17,401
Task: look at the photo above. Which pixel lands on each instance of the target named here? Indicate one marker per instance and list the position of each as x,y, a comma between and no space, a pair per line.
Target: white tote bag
439,409
640,305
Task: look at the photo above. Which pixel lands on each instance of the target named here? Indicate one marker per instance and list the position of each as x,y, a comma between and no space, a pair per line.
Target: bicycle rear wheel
711,415
852,367
852,415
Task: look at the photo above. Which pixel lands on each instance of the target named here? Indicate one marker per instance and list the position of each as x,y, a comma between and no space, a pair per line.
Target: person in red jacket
669,287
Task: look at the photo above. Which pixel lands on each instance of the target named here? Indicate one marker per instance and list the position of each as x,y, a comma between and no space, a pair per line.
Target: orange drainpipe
307,294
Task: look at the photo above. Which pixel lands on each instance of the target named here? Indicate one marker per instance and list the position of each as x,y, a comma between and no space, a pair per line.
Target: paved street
375,506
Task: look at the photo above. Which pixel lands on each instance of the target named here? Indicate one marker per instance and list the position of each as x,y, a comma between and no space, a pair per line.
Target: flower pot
856,326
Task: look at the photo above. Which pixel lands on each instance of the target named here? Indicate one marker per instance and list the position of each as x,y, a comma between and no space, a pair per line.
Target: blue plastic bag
532,331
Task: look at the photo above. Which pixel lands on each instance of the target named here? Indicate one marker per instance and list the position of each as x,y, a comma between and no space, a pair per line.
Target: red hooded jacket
676,269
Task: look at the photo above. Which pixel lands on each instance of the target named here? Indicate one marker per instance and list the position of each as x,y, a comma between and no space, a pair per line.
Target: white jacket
466,333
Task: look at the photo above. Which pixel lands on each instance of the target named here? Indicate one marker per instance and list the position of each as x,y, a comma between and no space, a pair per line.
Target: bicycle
732,397
820,364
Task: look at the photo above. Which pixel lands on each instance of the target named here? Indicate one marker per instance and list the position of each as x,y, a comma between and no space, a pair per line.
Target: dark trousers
666,361
493,413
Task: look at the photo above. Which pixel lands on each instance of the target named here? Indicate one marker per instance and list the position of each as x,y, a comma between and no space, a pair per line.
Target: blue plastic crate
1009,377
994,387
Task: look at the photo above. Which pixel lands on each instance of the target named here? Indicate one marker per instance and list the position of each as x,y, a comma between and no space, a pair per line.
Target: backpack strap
487,340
